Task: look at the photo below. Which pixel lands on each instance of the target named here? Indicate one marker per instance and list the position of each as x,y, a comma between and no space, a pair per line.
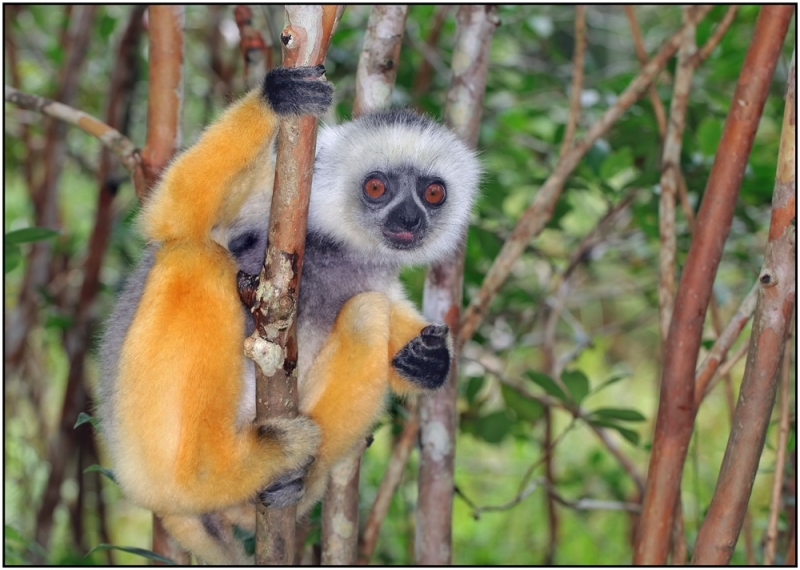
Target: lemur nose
406,217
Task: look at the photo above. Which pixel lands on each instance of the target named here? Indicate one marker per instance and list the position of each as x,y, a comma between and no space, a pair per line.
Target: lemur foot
298,438
425,360
287,489
298,90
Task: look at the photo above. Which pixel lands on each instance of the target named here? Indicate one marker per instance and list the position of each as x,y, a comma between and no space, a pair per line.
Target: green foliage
17,550
11,250
612,297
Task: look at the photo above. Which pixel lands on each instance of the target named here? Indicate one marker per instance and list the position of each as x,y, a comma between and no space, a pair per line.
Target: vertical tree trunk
442,300
305,37
375,79
676,410
720,529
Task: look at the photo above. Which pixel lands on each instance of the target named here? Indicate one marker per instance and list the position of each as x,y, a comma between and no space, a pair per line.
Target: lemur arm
352,375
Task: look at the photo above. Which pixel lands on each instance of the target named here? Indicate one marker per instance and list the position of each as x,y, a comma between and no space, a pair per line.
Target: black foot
298,90
425,360
285,490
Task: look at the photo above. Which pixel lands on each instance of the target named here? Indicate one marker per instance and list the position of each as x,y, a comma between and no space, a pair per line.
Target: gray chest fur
331,276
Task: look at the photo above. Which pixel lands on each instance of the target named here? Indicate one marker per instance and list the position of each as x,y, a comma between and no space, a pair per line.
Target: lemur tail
196,188
199,191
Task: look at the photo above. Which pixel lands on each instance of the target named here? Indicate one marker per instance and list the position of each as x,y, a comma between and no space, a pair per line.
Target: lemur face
403,204
394,186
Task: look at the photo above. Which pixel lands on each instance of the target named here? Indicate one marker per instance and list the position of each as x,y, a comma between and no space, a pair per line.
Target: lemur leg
420,353
209,537
348,385
184,452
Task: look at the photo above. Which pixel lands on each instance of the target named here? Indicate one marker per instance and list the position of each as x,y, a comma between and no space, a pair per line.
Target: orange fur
180,370
351,378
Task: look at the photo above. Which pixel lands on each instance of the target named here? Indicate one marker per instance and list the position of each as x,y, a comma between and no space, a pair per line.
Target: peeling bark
305,37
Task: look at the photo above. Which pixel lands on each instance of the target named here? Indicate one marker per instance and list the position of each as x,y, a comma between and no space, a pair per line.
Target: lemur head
393,185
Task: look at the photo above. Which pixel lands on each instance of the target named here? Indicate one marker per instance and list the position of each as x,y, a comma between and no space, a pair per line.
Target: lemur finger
425,360
298,90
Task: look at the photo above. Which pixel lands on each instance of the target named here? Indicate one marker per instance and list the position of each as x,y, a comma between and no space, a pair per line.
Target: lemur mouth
401,240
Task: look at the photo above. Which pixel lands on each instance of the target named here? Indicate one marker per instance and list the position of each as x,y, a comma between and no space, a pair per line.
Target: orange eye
434,193
374,188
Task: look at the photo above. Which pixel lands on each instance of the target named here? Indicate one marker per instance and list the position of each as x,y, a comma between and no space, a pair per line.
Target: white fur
347,153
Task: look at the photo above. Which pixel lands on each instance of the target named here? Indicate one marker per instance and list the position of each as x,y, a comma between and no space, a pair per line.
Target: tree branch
723,521
115,141
577,79
539,212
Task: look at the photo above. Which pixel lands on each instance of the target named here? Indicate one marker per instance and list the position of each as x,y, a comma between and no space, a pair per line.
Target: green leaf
624,414
60,322
26,235
629,434
97,469
473,387
12,257
133,550
609,382
616,163
84,418
493,427
525,408
106,26
548,385
577,383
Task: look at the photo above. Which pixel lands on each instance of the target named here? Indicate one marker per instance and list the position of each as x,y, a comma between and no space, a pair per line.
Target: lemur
177,396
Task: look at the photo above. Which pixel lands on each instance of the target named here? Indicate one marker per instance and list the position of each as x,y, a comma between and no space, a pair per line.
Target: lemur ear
298,90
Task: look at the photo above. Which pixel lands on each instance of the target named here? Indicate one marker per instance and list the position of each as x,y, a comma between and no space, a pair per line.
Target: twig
534,219
717,535
723,343
577,79
670,166
391,479
641,53
716,37
771,536
442,299
115,141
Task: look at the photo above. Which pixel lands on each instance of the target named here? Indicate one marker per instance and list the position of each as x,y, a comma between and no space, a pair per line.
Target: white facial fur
380,142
